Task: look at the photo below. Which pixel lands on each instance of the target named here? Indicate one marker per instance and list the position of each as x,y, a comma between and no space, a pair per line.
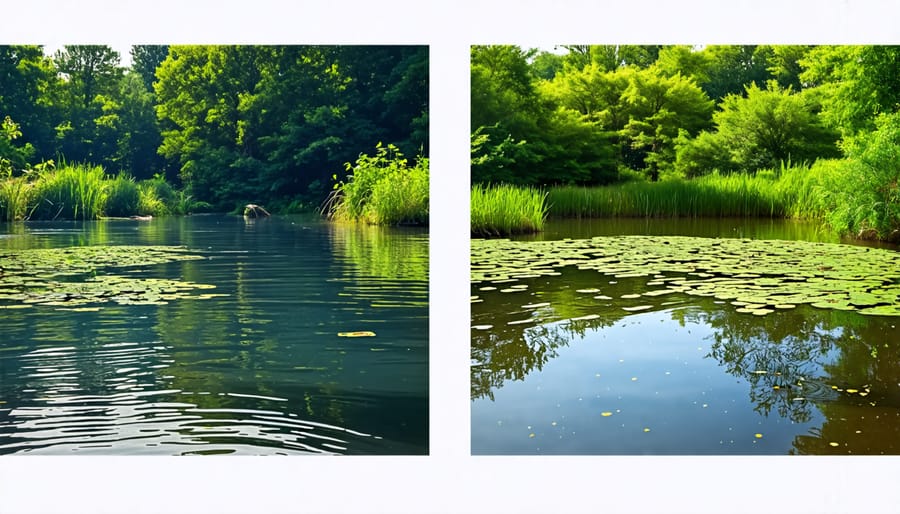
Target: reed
381,189
15,193
400,198
69,192
712,195
505,210
122,196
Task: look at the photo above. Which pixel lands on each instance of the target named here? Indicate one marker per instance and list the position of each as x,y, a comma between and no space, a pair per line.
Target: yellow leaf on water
362,333
606,414
531,435
646,430
851,391
758,436
833,444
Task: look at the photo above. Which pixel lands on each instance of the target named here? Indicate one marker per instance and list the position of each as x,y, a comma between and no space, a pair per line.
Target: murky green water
258,368
689,375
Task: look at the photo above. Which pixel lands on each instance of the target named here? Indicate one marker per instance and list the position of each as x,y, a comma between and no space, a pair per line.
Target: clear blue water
258,370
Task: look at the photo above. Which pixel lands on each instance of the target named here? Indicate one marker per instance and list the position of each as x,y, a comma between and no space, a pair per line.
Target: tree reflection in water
799,364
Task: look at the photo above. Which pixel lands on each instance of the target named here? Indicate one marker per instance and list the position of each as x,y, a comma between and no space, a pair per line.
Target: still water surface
257,370
690,376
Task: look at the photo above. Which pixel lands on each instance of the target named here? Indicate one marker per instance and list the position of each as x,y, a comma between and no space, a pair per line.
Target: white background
449,480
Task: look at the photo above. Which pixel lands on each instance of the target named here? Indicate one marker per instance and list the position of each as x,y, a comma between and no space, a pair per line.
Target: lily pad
758,275
69,278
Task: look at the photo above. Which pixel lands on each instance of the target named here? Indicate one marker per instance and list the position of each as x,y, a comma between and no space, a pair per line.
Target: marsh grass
383,189
15,193
401,197
70,192
709,196
792,191
504,210
122,196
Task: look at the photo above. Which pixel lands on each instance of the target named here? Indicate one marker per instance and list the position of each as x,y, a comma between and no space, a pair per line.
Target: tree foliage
237,124
673,110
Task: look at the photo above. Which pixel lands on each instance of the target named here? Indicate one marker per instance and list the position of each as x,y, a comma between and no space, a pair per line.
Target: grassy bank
83,192
384,189
832,191
504,210
709,196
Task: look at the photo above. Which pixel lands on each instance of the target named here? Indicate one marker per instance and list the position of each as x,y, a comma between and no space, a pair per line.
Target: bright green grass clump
383,189
70,192
709,196
505,210
14,195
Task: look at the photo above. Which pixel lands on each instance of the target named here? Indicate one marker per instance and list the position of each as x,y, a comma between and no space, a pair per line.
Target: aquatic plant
505,210
74,191
757,276
122,196
14,197
381,189
401,197
712,195
77,276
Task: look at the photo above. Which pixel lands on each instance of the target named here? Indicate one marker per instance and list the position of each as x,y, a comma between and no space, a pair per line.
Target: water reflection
806,381
257,370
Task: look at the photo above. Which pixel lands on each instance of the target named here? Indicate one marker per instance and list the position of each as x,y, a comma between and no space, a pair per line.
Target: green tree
545,65
144,61
91,80
765,128
12,157
734,67
274,123
659,108
684,60
29,94
502,89
856,83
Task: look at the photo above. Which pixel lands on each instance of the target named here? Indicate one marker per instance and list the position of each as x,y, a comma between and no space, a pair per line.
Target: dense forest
223,125
599,115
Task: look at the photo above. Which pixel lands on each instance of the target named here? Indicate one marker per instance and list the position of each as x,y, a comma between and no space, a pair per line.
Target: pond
232,339
583,354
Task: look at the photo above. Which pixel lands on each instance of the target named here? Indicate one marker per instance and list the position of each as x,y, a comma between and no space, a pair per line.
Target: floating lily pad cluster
757,276
73,277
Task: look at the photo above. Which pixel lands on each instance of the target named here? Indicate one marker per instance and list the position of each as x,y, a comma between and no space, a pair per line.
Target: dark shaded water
259,370
689,376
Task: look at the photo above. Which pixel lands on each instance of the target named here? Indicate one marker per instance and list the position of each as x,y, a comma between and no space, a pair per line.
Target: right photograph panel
685,250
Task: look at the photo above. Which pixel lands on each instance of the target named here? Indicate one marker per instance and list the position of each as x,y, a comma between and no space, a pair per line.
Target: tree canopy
670,111
233,123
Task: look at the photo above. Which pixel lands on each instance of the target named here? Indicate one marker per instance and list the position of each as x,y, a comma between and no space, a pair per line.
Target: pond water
559,366
256,368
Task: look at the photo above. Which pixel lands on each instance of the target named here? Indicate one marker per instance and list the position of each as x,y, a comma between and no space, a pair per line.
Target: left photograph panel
214,249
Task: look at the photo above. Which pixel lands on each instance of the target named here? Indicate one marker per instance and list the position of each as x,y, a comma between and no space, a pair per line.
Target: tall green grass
14,195
709,196
382,189
70,192
86,192
505,210
122,196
